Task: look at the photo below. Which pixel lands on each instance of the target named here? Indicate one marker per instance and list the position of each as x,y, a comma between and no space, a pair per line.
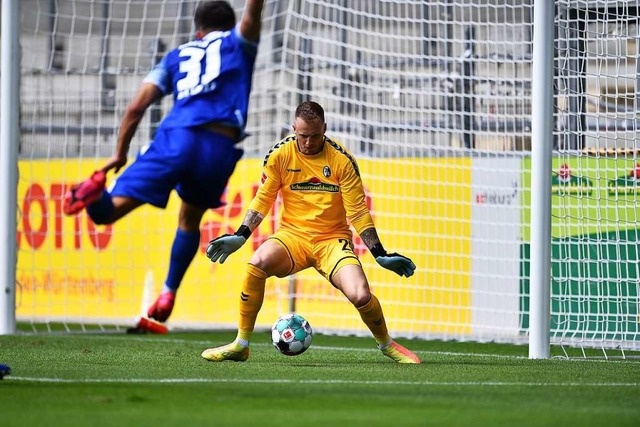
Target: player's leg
100,205
108,209
199,164
184,248
350,279
275,257
149,179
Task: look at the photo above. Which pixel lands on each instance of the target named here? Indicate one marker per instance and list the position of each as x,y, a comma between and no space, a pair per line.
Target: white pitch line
285,381
358,349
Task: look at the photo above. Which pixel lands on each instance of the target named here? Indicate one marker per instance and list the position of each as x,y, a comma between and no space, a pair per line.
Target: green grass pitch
115,379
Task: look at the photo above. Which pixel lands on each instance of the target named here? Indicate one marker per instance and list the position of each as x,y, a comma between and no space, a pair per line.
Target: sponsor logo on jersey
314,184
326,172
626,184
564,182
294,170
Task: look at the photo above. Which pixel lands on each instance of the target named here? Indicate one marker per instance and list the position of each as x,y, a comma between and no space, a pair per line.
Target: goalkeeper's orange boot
84,194
399,353
233,351
162,308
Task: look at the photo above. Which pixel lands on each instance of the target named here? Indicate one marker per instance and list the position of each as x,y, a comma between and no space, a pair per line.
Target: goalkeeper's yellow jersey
319,192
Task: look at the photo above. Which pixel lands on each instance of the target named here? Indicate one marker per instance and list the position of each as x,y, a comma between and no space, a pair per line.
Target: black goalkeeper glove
399,264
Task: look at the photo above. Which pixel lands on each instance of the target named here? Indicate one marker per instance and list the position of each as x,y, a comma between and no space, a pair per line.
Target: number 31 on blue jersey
200,77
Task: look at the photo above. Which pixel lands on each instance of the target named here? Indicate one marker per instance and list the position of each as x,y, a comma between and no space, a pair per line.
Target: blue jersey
210,80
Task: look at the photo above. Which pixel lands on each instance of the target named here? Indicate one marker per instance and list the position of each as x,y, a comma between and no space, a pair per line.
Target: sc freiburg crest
326,172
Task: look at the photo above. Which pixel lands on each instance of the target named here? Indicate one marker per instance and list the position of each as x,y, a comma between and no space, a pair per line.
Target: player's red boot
148,325
84,193
161,309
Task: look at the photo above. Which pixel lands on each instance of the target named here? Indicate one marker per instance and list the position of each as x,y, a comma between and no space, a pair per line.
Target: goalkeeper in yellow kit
321,187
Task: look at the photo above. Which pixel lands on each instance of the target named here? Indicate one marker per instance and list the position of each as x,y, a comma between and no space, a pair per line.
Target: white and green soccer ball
291,334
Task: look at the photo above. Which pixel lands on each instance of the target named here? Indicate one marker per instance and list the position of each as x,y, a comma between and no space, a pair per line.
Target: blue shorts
195,161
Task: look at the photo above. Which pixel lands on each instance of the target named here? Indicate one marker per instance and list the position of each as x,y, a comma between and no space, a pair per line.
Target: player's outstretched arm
399,264
221,247
147,95
250,22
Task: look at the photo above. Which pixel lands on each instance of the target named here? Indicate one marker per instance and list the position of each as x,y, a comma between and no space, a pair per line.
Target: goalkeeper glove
223,246
399,264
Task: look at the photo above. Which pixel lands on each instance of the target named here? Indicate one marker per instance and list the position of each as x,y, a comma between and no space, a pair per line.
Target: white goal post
541,167
9,131
445,108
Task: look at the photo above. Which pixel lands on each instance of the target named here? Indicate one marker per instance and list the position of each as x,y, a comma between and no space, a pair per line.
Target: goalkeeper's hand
399,264
223,246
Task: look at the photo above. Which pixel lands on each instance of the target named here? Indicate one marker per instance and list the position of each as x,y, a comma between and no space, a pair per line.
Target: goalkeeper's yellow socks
251,298
371,314
243,338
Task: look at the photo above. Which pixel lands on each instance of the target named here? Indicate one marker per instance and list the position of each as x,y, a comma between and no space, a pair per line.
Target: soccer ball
291,334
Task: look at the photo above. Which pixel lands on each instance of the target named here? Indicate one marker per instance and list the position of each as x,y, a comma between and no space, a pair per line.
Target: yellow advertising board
69,268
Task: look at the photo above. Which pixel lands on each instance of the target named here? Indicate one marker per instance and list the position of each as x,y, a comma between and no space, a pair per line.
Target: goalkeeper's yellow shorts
326,256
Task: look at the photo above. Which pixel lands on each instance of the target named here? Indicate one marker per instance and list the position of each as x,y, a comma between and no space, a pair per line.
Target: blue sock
185,246
101,211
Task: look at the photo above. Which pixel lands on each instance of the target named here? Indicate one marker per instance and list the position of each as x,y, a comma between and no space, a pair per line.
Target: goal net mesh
595,269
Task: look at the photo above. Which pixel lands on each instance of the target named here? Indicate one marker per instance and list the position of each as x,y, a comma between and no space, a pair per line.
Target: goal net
432,98
595,257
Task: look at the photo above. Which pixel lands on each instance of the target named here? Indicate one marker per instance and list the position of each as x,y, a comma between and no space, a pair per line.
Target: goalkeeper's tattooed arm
371,239
252,219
